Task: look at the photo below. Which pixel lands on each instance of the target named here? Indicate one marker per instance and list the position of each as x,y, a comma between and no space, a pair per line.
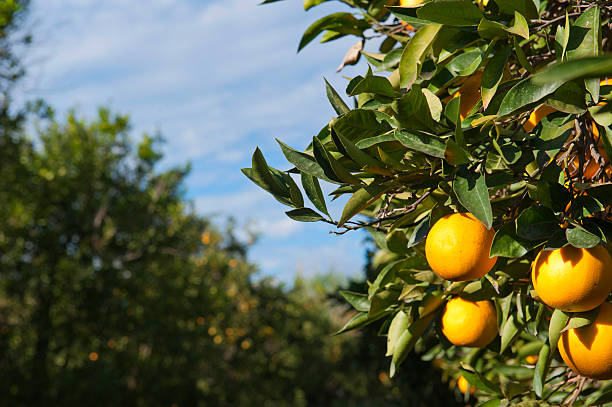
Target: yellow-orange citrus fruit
573,279
469,323
537,115
410,3
457,247
532,359
470,94
588,350
462,384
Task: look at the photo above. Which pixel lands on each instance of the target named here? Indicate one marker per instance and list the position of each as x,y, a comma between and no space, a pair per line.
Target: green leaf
360,124
361,199
541,369
580,237
308,4
358,321
558,321
580,319
294,191
491,403
477,380
525,7
381,301
536,223
451,12
378,85
588,67
407,340
525,93
420,141
522,58
492,29
304,215
471,190
584,35
360,157
399,324
414,52
262,172
345,21
330,165
336,101
359,301
419,233
507,243
314,192
509,332
493,72
304,162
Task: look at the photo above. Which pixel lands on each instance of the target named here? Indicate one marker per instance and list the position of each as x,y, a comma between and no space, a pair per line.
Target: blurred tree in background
114,292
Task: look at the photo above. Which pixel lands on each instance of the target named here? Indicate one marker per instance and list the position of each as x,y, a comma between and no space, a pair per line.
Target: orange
462,384
410,3
467,323
457,247
537,115
573,279
588,350
470,94
532,359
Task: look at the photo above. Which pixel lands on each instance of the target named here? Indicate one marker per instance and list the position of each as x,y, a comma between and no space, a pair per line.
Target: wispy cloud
217,78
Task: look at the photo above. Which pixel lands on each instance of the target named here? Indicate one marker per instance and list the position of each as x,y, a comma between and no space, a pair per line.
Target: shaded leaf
304,215
471,190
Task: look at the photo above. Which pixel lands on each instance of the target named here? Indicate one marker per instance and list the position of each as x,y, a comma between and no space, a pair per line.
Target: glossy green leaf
558,321
584,35
334,21
471,190
360,157
420,141
336,101
525,93
399,324
414,52
493,72
536,223
360,124
477,380
304,162
525,7
358,301
588,67
304,215
314,192
451,12
509,332
580,319
580,237
407,340
541,369
507,243
361,199
378,85
332,167
308,4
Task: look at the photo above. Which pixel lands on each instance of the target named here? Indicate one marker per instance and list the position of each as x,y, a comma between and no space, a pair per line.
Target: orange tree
478,154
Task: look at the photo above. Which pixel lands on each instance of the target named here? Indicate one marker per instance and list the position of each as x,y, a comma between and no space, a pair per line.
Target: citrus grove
476,156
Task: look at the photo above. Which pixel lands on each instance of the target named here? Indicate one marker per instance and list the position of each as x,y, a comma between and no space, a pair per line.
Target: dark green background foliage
113,291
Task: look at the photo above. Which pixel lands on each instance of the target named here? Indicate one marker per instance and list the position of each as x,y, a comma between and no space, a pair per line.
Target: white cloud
217,78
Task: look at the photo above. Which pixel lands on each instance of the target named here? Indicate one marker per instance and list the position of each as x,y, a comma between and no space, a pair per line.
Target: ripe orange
588,350
573,279
532,359
457,247
536,116
410,3
467,323
462,384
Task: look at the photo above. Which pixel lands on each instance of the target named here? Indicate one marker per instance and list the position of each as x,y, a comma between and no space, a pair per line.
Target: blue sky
217,78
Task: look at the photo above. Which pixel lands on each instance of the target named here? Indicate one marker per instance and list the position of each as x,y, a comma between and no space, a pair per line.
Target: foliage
525,151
